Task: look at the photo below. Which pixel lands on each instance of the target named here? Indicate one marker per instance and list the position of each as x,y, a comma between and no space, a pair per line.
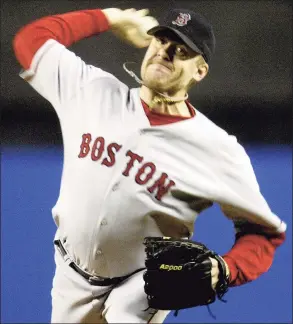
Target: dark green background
248,90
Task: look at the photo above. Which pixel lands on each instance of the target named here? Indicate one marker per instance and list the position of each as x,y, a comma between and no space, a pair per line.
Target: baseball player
138,162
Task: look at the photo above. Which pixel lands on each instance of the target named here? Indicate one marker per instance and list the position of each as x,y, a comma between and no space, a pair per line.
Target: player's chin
159,83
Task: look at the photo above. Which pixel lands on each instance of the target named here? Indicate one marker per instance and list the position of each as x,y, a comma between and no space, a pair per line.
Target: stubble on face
164,75
158,74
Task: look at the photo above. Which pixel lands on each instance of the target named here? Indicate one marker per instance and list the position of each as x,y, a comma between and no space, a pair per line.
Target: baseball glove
178,274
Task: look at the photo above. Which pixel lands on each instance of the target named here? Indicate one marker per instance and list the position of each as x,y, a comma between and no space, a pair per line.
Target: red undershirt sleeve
66,28
54,71
251,256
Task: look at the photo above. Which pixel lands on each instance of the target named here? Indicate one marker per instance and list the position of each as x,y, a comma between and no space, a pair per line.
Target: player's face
169,65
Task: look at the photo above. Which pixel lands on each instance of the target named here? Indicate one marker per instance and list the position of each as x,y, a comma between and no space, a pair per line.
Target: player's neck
158,104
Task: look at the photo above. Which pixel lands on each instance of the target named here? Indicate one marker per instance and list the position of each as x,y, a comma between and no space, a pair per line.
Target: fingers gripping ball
131,25
178,274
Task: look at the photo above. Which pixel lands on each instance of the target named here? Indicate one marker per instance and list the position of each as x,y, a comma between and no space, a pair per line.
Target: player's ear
201,70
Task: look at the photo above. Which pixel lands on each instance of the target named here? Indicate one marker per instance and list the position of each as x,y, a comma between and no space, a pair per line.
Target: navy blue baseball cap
192,28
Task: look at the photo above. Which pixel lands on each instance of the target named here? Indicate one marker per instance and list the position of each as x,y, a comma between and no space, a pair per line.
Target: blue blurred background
248,92
30,184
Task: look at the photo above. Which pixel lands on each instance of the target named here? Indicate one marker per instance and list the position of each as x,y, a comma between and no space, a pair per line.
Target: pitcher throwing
140,165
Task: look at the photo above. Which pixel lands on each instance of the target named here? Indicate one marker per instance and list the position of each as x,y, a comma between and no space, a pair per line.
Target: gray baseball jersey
119,171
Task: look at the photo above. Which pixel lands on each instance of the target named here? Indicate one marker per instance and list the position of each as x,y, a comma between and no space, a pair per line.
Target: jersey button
116,186
104,222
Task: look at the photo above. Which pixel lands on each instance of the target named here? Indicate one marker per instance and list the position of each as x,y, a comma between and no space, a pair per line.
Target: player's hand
131,25
215,271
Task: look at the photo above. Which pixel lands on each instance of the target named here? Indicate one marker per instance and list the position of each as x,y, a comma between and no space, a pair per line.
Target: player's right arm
54,71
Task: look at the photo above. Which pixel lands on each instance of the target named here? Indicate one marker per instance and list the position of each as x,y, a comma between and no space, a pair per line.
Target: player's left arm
252,253
254,248
255,245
